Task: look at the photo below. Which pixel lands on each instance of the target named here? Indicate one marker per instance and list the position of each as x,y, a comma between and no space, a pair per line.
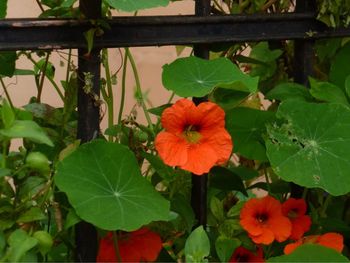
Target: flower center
261,218
191,134
242,258
293,213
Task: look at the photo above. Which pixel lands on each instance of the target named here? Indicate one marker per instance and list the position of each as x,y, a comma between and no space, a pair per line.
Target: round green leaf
134,5
311,253
104,184
312,147
246,127
196,77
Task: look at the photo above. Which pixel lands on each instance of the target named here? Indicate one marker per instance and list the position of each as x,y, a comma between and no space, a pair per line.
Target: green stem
60,94
305,191
122,97
42,79
65,115
138,89
69,59
116,247
109,96
325,206
8,97
267,181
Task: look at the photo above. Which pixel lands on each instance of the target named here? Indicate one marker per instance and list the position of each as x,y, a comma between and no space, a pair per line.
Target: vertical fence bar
199,183
303,65
303,49
88,123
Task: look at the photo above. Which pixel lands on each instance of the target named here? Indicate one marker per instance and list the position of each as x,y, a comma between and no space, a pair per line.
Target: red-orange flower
295,210
242,254
263,220
195,138
140,245
330,240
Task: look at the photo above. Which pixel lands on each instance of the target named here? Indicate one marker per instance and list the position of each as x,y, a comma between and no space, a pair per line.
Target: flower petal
220,141
200,159
211,116
332,240
281,227
291,247
178,115
300,225
251,226
149,245
266,238
297,205
171,149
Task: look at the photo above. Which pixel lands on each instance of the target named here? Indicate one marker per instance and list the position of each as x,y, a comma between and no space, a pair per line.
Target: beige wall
149,61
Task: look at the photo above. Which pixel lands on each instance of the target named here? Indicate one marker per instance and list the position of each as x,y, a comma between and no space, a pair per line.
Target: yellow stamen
191,135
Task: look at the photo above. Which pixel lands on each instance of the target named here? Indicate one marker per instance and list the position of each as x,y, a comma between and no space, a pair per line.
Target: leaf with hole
312,146
104,184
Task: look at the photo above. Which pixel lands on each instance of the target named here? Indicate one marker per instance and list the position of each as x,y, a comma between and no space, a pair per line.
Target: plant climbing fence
298,29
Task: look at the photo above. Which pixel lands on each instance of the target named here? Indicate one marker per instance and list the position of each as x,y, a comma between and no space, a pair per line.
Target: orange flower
331,240
242,254
140,245
295,210
263,220
195,138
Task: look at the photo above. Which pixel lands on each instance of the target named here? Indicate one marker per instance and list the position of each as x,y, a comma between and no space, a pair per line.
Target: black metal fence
199,30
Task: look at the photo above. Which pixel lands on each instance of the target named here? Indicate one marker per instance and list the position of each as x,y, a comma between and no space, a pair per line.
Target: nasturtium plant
104,184
310,146
245,157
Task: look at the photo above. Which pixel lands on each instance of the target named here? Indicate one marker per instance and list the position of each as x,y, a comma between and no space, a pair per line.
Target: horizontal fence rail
34,34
